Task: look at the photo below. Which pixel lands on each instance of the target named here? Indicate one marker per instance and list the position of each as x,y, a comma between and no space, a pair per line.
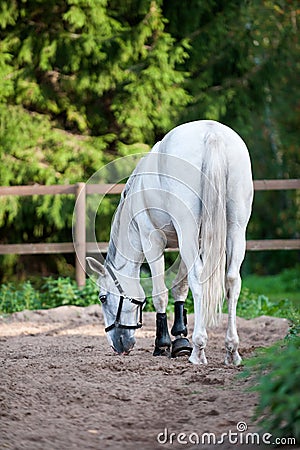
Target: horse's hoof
198,357
162,351
181,347
233,358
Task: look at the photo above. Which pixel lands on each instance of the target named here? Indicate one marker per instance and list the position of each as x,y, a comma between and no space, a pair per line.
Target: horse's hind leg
181,345
199,334
189,252
193,262
236,245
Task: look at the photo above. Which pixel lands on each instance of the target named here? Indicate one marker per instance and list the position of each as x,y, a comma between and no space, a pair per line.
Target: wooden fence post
80,233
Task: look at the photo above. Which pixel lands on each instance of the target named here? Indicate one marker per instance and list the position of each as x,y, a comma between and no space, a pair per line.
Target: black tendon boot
180,321
181,345
163,340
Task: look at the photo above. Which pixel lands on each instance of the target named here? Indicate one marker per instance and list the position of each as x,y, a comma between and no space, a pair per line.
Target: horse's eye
102,298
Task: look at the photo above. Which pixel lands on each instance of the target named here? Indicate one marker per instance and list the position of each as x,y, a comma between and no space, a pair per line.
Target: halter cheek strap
140,304
117,323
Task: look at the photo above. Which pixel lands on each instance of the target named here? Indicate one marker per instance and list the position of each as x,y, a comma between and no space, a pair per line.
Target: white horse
193,191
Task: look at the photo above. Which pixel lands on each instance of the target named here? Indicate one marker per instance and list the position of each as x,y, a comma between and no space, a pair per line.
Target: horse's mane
114,232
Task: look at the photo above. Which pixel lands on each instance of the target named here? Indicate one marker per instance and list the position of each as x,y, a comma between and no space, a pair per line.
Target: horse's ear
96,266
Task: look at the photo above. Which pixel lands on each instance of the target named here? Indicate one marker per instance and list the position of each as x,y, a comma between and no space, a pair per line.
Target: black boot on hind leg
181,345
163,340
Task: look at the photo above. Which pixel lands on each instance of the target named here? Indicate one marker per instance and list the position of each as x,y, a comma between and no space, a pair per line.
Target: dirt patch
63,388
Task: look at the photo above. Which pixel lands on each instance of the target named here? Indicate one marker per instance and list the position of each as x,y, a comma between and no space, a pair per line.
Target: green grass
285,285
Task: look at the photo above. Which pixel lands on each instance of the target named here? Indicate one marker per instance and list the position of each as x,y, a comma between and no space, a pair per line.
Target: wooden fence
81,247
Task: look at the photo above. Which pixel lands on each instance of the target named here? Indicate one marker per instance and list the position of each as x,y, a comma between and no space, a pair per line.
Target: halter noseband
123,296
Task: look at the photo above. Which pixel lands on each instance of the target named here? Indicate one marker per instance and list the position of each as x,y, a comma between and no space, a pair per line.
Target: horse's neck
120,262
127,273
124,259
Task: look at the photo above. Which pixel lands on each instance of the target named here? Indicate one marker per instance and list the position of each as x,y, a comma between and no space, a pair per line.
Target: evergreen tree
79,80
244,65
94,66
83,81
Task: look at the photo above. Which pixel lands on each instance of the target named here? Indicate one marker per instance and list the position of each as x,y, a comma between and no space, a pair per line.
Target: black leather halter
123,296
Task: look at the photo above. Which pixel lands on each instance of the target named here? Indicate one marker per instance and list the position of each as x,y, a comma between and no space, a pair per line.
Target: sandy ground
63,388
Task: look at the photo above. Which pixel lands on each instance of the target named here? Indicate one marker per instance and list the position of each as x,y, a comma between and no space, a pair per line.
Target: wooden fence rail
79,244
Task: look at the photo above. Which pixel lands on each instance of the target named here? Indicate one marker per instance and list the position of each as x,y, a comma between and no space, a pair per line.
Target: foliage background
85,81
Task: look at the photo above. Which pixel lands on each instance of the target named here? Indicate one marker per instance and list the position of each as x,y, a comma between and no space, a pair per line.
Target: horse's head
122,314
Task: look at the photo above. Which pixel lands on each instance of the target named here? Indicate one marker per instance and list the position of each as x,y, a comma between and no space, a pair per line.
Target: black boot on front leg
163,340
181,345
180,321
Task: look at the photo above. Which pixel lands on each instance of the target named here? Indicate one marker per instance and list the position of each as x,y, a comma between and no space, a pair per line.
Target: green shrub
13,299
64,291
89,295
252,305
57,292
294,329
53,293
276,374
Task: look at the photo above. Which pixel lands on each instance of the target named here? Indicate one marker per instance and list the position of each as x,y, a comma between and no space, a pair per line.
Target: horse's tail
213,228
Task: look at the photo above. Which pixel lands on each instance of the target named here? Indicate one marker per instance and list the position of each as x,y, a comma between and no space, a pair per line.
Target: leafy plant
251,305
13,299
64,291
89,294
276,374
294,329
57,292
53,293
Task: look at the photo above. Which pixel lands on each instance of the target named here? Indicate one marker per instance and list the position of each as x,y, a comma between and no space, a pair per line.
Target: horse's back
189,142
171,179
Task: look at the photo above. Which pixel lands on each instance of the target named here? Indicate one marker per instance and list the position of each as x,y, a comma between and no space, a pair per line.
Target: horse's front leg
162,340
160,302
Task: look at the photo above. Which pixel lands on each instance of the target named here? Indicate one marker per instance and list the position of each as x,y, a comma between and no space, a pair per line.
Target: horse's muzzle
122,341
